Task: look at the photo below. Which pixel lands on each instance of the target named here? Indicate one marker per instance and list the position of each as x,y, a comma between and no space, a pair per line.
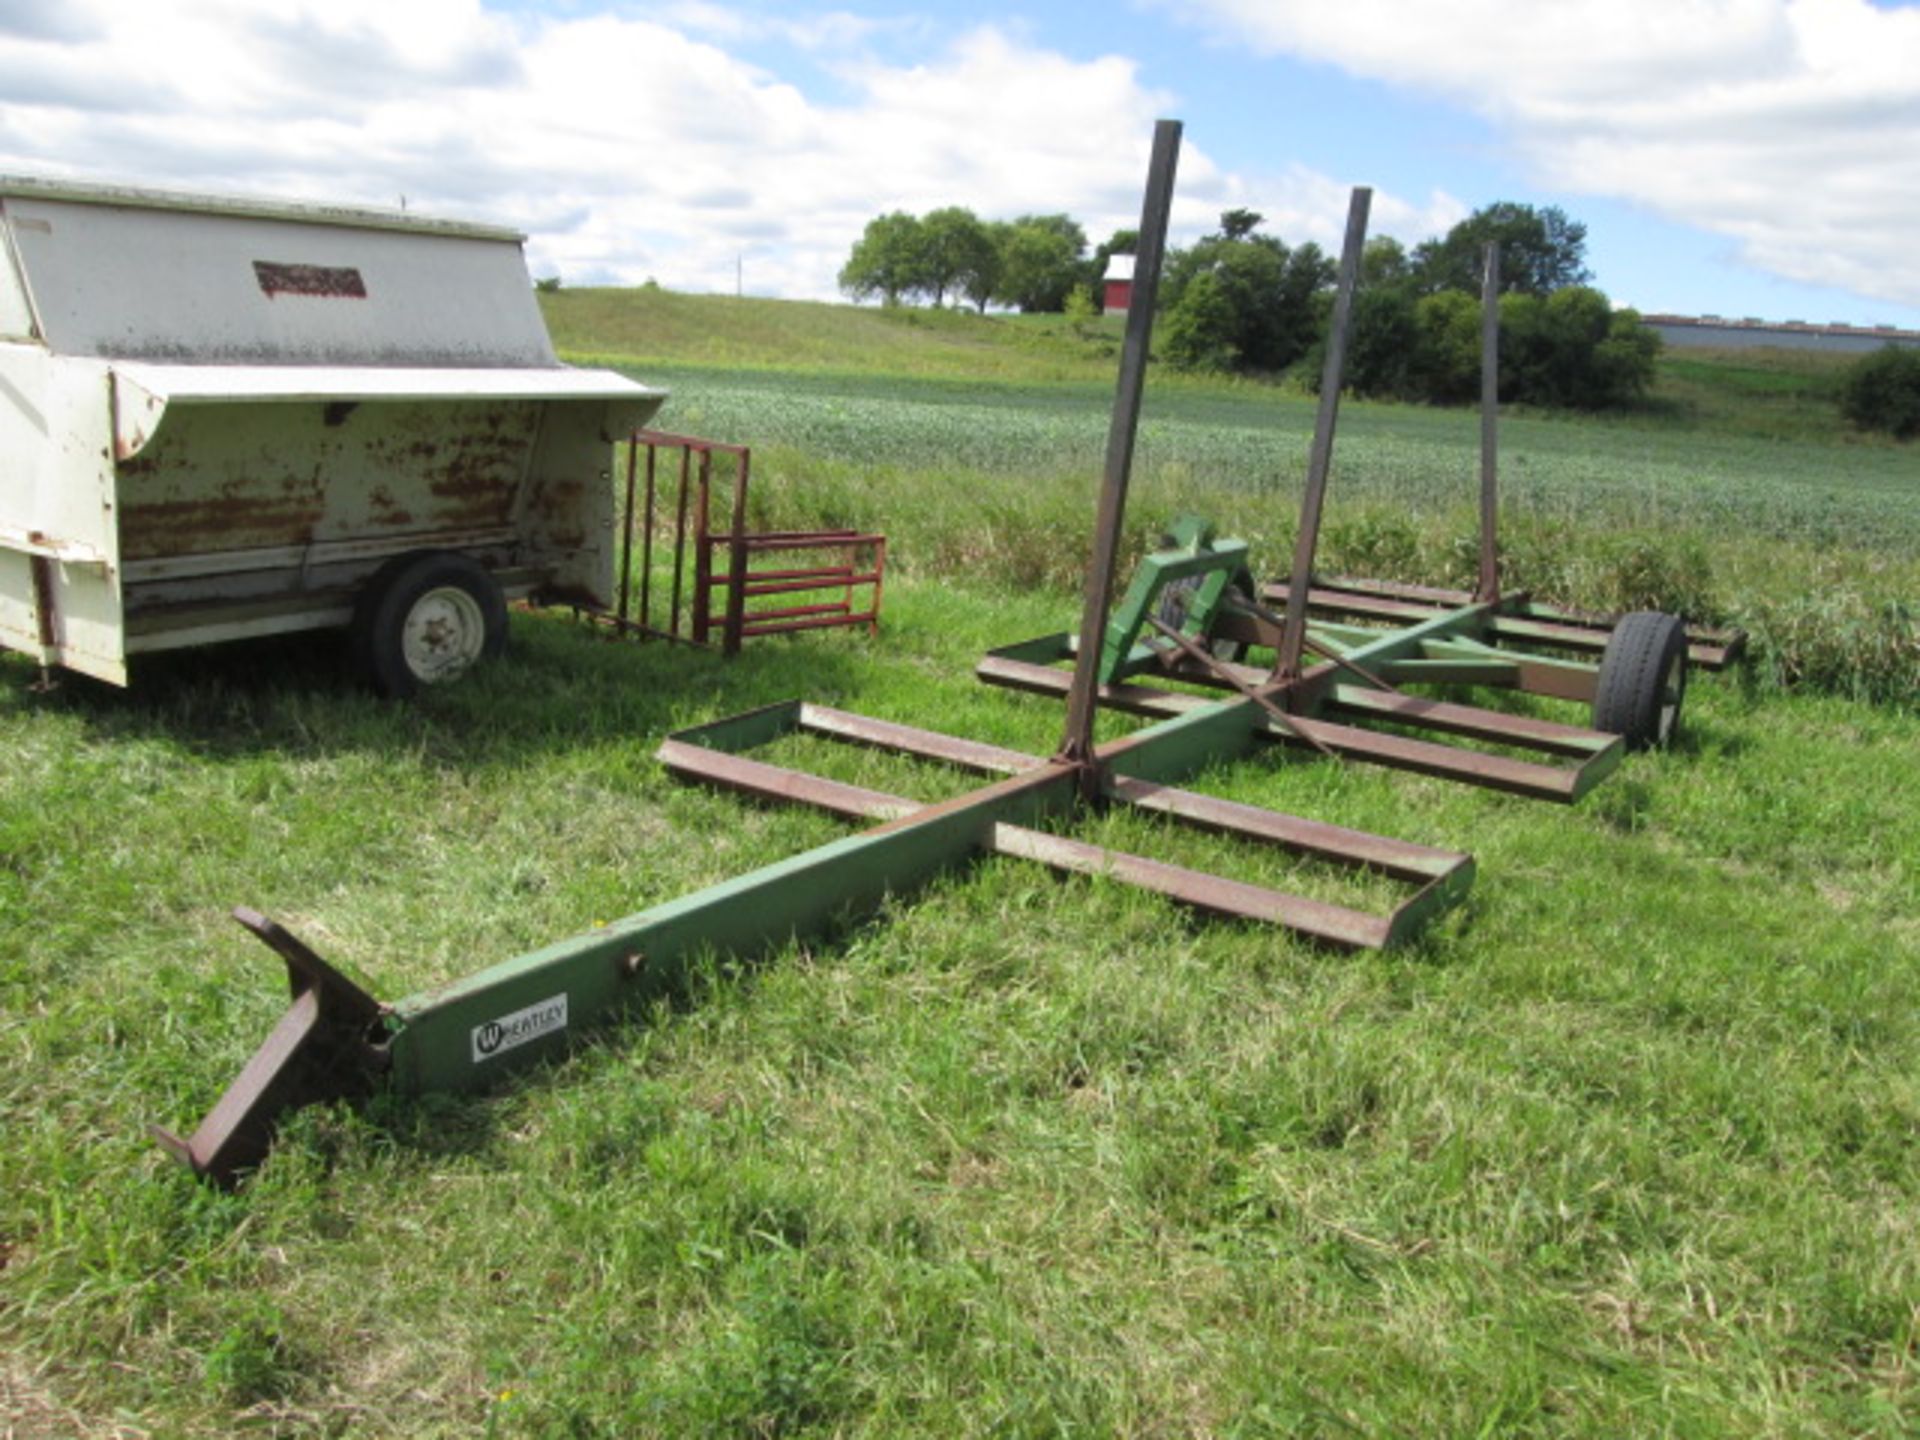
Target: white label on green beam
496,1037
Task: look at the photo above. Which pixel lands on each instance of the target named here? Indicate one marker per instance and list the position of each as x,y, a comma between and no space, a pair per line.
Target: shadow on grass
560,685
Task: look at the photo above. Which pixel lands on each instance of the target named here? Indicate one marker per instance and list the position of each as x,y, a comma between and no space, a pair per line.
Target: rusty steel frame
859,564
1406,634
1129,771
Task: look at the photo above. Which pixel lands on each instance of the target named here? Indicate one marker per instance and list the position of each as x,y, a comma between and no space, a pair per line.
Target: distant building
1720,333
1117,292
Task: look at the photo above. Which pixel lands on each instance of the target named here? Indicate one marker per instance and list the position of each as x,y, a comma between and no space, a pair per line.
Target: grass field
1630,1144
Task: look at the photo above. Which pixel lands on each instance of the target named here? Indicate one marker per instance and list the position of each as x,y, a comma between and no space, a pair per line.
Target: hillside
1763,394
651,324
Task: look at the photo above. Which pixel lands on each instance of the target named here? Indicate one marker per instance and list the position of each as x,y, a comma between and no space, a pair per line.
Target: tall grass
1629,1145
1814,549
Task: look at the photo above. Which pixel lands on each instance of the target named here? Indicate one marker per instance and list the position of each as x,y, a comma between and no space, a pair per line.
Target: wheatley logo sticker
496,1037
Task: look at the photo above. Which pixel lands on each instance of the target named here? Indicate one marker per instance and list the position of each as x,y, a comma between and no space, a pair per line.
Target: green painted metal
439,1037
1195,554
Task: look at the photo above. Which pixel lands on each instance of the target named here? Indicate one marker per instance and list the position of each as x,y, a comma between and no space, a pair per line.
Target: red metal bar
820,580
680,543
737,590
703,550
750,629
646,547
830,574
807,539
626,515
687,442
879,568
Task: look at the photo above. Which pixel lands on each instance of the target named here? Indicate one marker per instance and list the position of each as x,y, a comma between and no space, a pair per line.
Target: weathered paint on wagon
220,417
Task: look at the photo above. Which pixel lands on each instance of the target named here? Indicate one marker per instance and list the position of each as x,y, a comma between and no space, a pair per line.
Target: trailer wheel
1643,679
425,619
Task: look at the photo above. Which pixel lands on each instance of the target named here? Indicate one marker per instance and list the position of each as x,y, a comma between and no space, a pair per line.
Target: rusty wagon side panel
220,417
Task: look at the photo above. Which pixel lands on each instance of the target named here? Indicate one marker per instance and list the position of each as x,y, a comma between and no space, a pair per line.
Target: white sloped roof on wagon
115,279
143,394
231,383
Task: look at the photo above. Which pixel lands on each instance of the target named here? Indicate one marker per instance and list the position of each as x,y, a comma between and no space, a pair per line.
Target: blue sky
1739,157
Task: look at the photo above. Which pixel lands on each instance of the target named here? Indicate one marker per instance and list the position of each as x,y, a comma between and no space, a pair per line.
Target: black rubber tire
425,618
1643,680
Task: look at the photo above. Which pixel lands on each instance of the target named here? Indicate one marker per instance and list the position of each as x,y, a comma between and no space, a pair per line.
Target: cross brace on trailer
1191,615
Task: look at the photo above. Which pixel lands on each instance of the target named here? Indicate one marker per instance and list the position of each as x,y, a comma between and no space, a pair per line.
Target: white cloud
1790,126
628,147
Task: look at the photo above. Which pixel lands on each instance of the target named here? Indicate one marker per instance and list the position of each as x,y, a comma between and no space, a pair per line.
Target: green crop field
1628,1144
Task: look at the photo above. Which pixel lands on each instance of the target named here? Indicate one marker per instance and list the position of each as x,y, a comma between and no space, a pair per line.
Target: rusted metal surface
339,282
1489,588
1595,754
220,478
1206,661
777,782
1215,894
1440,876
1286,663
1076,742
44,613
1401,859
703,564
975,755
203,383
329,1045
1517,616
1525,731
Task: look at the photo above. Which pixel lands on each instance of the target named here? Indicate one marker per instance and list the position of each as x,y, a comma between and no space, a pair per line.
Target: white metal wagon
225,418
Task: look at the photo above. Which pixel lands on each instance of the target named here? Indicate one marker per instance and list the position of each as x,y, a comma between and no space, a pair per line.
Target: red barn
1118,282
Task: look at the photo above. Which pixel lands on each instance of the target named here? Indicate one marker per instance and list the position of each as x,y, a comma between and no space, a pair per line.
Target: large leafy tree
957,254
1040,261
1881,391
887,259
1541,250
1261,307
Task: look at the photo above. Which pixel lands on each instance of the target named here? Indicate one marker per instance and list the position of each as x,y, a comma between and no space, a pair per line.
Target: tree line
1245,302
1034,263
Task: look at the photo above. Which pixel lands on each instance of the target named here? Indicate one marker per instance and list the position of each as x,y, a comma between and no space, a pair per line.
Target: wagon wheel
1643,679
425,619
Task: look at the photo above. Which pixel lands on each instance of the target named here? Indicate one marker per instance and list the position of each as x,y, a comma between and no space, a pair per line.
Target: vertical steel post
737,560
679,538
626,521
1320,459
703,550
1489,425
1076,745
646,546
